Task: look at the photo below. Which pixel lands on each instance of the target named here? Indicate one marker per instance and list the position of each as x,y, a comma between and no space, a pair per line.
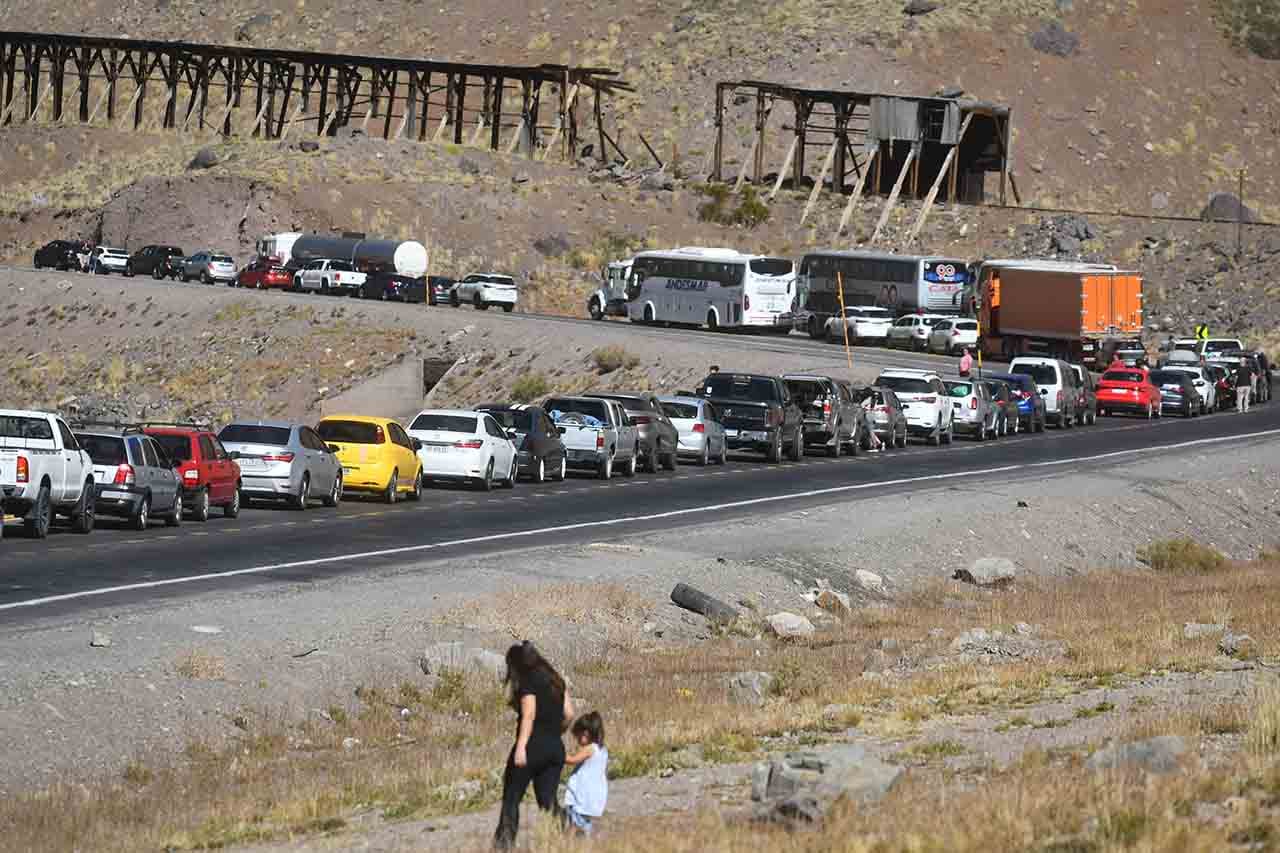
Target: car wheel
540,473
392,491
200,509
724,454
415,494
143,516
480,304
833,450
82,515
508,308
797,446
935,438
981,433
564,469
204,278
705,457
299,501
232,510
649,316
174,518
774,454
606,468
634,462
1068,421
335,492
157,273
510,481
128,270
453,299
651,459
1040,425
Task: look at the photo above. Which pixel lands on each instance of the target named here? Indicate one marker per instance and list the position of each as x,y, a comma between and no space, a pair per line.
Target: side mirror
560,430
417,445
512,434
333,448
235,454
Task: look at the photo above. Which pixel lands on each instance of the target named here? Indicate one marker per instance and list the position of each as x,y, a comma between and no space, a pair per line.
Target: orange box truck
1075,312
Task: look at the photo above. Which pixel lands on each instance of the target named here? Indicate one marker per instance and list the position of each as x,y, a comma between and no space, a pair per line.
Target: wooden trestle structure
215,88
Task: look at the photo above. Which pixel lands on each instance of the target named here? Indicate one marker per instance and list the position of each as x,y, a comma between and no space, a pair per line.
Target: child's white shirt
588,787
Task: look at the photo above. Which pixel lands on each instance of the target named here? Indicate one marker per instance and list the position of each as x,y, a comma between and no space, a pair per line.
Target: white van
1057,383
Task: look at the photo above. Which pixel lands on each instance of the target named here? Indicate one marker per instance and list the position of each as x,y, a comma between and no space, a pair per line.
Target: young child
588,787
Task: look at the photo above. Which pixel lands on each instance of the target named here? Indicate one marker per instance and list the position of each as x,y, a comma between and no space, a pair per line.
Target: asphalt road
267,546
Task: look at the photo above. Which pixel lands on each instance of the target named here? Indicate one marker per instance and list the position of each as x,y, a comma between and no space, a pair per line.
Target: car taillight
746,302
774,418
1059,398
640,420
24,470
1026,395
278,457
973,402
955,333
124,475
470,444
699,428
826,407
884,409
929,400
599,440
191,474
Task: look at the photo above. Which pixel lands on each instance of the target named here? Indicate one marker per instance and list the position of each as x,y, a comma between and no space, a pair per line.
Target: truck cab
43,472
611,299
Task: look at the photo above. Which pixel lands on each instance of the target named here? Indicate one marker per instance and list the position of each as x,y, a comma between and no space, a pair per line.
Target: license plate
252,463
731,433
119,496
434,449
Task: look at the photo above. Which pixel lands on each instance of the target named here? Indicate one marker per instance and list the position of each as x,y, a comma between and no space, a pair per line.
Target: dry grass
200,665
282,777
611,358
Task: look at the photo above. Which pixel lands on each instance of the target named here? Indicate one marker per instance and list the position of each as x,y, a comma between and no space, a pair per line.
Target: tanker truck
294,251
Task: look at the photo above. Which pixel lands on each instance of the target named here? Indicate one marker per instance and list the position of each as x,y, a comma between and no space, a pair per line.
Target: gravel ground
92,709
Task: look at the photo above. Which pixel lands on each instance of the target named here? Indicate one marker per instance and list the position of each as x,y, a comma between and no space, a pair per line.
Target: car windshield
959,389
771,266
351,432
752,388
1121,376
103,449
16,426
905,384
561,407
254,434
177,446
683,411
520,420
1043,374
445,423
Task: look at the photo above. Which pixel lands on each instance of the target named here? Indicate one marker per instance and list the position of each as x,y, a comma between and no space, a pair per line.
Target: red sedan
1128,390
264,273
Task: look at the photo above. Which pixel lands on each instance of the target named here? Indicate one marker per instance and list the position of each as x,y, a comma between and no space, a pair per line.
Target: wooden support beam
560,123
893,194
297,113
133,102
40,101
937,182
495,113
717,163
257,120
391,106
13,102
822,178
786,166
762,121
847,214
102,99
746,161
444,121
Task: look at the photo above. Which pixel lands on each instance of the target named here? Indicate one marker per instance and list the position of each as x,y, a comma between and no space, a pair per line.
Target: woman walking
541,700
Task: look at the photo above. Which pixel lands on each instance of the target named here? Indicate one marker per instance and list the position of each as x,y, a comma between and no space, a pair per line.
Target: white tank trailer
406,257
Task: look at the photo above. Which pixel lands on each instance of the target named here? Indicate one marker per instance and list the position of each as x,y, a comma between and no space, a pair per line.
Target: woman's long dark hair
523,660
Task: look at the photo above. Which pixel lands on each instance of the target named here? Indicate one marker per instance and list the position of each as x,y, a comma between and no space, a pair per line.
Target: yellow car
377,456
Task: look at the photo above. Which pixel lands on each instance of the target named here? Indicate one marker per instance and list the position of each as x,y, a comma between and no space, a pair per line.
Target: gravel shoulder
182,670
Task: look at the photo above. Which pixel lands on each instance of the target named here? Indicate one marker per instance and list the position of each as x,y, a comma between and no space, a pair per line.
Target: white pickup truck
597,434
44,471
329,276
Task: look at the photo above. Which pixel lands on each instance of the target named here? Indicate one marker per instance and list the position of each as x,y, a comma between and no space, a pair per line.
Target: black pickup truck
758,413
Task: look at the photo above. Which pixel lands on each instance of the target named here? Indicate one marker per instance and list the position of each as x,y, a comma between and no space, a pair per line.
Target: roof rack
123,426
180,424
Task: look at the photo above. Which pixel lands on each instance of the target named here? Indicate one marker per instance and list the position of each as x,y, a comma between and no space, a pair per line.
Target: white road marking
614,522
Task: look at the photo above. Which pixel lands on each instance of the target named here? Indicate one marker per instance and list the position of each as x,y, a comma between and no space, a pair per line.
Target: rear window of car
753,388
1221,346
517,419
1043,374
103,449
1167,377
351,432
221,259
905,384
444,423
967,325
686,411
559,408
1121,376
254,434
177,446
631,404
959,389
16,426
771,266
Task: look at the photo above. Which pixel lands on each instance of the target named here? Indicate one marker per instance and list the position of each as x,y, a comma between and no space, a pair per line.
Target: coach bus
901,283
715,288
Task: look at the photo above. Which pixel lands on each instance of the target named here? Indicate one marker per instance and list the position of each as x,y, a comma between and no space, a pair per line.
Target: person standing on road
540,698
869,420
966,363
1244,385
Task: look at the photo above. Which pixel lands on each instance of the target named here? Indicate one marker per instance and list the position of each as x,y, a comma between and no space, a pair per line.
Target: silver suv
133,476
283,461
209,267
831,417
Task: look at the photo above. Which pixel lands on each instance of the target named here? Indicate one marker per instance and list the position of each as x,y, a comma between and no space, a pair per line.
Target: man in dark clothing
1244,384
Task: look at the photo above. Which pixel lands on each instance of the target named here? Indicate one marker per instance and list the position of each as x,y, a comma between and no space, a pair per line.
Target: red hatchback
1128,390
264,273
210,477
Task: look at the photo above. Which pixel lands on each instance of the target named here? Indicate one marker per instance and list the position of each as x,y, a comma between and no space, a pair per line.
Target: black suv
758,413
59,254
155,261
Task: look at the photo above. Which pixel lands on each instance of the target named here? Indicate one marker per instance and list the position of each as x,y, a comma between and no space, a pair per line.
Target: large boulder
988,572
1055,40
750,688
801,786
1162,754
439,657
1225,207
789,626
982,646
206,158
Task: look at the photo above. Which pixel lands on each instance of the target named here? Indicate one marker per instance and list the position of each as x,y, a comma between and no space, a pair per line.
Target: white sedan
911,331
701,433
864,324
465,446
483,289
951,337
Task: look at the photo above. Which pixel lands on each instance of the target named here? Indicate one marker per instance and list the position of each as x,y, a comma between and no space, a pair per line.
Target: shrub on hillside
750,211
611,358
1182,555
529,387
1254,25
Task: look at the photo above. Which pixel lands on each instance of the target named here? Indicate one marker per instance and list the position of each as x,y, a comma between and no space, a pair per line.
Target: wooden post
849,207
746,161
137,93
842,142
762,118
83,67
322,117
893,194
460,106
786,165
40,101
822,178
112,76
937,183
555,134
495,113
58,73
718,161
602,155
7,75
